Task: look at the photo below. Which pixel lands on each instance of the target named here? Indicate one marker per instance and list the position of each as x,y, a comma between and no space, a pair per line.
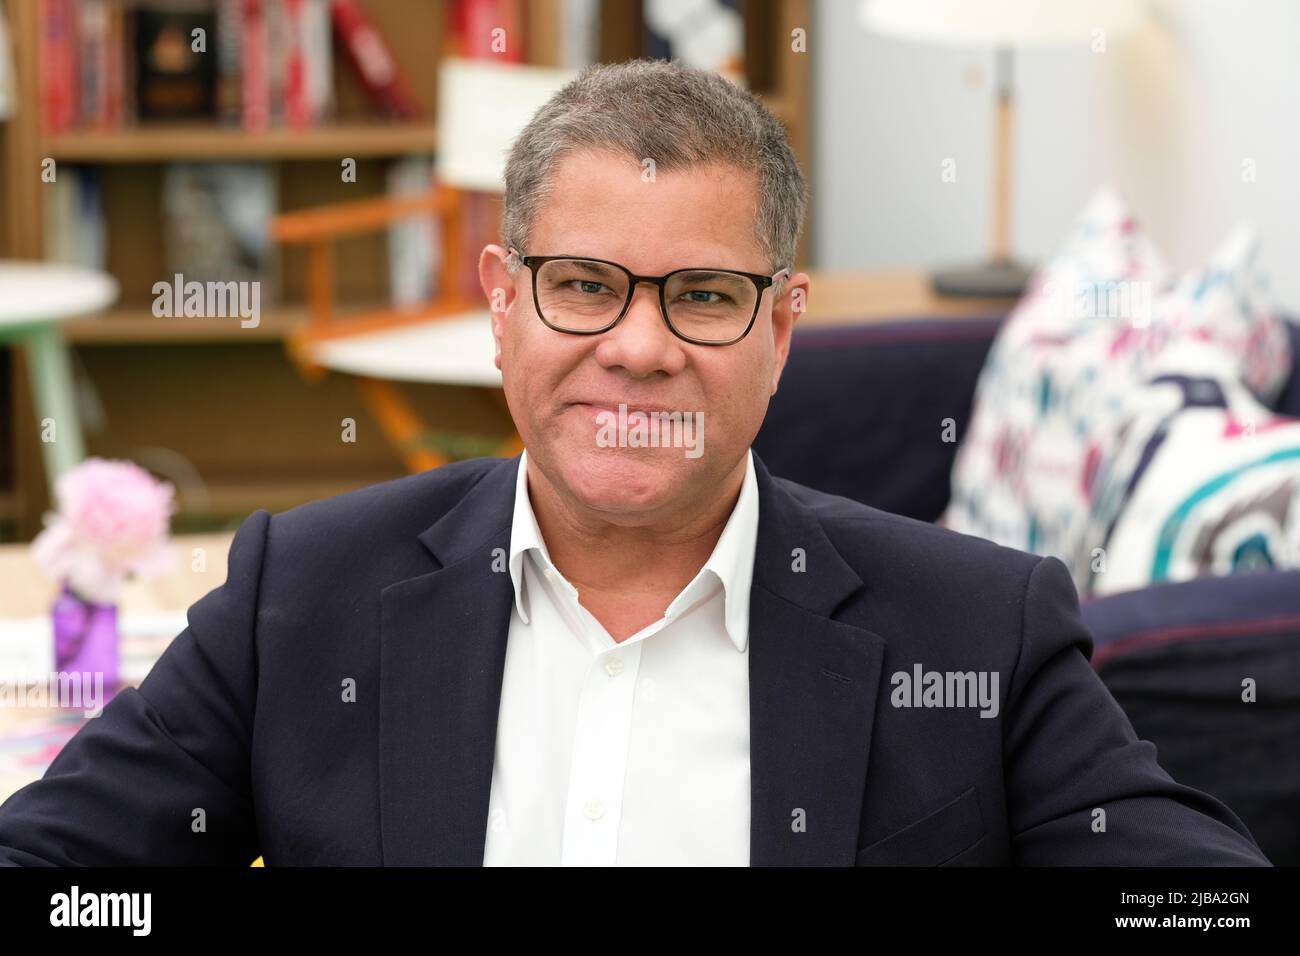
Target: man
630,645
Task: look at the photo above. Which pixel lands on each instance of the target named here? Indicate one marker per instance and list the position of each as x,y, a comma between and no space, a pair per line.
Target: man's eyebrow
595,266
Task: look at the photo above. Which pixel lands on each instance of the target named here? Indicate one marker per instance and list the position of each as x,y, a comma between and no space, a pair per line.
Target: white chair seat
451,351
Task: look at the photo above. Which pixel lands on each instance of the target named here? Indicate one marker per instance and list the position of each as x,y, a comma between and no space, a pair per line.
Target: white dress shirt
632,753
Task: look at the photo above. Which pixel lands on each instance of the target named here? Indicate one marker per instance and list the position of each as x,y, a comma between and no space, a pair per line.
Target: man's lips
630,408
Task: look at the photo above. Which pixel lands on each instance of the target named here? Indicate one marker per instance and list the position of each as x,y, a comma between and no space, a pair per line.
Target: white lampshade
1000,22
483,105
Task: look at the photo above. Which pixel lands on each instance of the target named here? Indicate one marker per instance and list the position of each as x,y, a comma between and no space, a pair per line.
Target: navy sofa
860,413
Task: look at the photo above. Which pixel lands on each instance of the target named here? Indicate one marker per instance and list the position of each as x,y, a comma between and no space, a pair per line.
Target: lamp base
998,278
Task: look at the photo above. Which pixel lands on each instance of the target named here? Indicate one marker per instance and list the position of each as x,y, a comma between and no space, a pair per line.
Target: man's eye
589,286
695,294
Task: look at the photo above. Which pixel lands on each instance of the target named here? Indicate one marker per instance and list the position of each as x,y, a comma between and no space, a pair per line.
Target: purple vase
86,639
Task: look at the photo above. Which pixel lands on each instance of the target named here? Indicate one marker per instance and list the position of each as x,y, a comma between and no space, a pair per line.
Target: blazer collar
813,685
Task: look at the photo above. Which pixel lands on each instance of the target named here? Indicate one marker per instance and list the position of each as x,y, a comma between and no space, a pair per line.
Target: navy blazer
399,591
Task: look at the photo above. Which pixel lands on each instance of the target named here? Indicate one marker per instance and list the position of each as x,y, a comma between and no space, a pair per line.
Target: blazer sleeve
161,776
1070,752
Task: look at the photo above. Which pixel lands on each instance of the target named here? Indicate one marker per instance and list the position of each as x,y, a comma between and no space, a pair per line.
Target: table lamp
1002,25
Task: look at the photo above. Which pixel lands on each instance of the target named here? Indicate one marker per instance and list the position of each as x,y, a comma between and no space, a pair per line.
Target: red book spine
297,111
253,60
373,61
480,18
512,19
474,26
59,86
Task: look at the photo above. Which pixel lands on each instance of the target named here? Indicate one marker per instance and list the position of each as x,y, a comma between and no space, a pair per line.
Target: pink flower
112,523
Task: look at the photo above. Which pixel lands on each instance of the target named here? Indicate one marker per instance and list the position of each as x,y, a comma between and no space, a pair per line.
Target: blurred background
238,243
1169,112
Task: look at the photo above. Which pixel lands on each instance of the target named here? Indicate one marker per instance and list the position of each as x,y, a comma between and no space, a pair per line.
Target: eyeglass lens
579,295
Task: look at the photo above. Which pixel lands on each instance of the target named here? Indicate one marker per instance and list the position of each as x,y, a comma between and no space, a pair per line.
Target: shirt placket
598,766
594,805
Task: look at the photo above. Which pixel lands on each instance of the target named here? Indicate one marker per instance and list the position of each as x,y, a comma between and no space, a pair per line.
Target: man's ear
499,287
786,308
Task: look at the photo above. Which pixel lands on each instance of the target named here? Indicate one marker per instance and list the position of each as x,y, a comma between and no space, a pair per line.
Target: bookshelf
225,401
166,143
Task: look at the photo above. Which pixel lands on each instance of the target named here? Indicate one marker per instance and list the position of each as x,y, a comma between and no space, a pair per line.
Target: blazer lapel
442,658
813,685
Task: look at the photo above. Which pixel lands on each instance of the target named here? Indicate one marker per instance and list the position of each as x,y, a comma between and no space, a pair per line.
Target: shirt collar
731,563
525,535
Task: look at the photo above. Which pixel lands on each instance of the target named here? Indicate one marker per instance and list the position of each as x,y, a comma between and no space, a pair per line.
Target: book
92,65
255,65
475,24
216,224
119,69
414,244
292,65
316,38
277,56
174,80
230,31
286,60
75,229
372,60
58,64
579,33
101,40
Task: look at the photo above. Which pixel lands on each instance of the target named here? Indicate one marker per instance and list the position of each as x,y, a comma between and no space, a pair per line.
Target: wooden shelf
136,325
161,143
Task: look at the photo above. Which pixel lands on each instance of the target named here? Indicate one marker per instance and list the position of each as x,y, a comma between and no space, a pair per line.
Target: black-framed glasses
704,306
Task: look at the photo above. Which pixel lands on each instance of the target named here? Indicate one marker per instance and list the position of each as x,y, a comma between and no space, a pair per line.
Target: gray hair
675,115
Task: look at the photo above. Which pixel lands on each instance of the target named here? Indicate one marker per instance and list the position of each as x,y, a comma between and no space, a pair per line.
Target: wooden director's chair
482,106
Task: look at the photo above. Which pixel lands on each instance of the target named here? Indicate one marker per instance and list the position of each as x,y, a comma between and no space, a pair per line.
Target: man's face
558,385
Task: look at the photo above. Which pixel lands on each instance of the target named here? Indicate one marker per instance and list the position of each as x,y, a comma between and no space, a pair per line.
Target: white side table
34,298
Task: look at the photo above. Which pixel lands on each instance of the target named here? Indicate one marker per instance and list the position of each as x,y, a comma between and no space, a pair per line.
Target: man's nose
641,343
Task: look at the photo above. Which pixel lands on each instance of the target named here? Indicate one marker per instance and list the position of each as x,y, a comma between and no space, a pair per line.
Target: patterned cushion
1206,481
1100,320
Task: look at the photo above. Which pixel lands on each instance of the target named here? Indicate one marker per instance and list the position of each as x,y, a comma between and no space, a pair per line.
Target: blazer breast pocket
932,839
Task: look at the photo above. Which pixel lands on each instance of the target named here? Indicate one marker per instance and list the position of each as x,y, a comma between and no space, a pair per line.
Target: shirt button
594,809
614,666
